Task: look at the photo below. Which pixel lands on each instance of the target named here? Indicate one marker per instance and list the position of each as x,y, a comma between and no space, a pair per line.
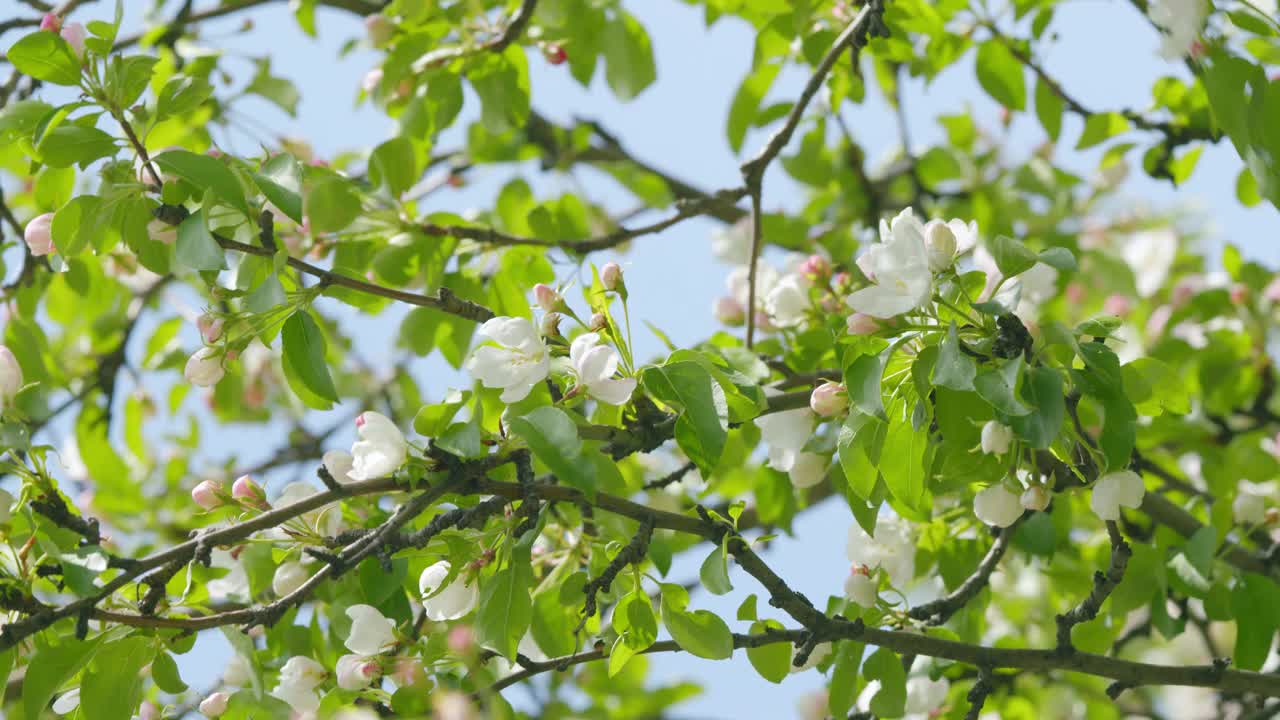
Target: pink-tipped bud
1117,304
408,672
555,53
207,494
462,640
51,23
1035,498
39,234
1239,294
842,282
1271,293
598,322
248,492
829,399
1158,321
611,276
74,33
210,328
1075,293
764,323
862,324
1182,293
729,311
546,297
816,267
214,705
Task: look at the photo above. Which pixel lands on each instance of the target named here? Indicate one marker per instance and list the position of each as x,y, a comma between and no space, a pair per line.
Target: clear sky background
1105,56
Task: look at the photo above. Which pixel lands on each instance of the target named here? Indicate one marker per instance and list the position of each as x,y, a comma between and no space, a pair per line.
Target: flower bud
1272,516
764,323
210,328
453,705
546,297
996,438
611,276
1117,304
208,494
598,322
355,672
1074,293
204,368
997,506
148,711
1239,293
214,705
554,53
379,29
729,311
551,325
248,492
1036,498
842,282
74,33
408,672
829,399
1271,293
816,267
288,577
50,23
461,640
861,588
940,244
39,235
10,376
1249,508
862,324
372,80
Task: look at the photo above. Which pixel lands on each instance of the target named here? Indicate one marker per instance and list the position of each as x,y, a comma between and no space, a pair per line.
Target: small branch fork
940,611
1103,584
634,553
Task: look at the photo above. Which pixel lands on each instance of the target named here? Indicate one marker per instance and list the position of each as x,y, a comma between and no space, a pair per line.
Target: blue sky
1105,55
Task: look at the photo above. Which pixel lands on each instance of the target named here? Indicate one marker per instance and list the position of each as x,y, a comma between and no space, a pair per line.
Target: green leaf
1042,392
281,182
45,56
954,369
891,698
278,90
505,608
860,470
628,55
1059,258
902,460
1161,388
431,420
1011,256
998,386
205,173
1000,74
702,426
746,102
304,352
502,83
394,164
551,626
1049,108
772,661
75,224
844,677
1101,126
1254,601
196,248
50,668
715,572
553,438
862,378
128,77
182,94
164,670
332,204
701,633
68,145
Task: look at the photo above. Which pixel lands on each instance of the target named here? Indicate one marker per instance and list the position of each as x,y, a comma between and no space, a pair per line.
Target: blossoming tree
1055,437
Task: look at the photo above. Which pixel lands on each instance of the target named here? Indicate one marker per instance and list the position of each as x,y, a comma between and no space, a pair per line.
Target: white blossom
325,521
238,672
925,695
785,433
516,362
204,367
67,702
862,589
288,577
1249,506
899,267
451,603
1182,21
820,653
232,586
788,301
355,672
594,366
298,681
371,632
380,449
214,705
996,438
733,244
1150,255
738,283
892,547
997,506
808,470
339,463
10,376
1114,490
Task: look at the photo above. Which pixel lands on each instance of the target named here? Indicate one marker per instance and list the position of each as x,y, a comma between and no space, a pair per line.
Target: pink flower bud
862,324
74,33
214,705
379,30
729,311
763,322
408,672
1182,293
1117,304
611,276
1035,498
555,53
832,304
148,711
1271,293
1239,293
50,23
462,640
829,399
598,322
816,266
207,494
210,328
1158,321
39,234
547,297
1075,293
372,80
842,281
204,368
248,492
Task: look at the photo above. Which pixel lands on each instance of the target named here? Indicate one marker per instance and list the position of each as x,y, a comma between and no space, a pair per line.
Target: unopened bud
829,399
207,494
862,324
611,276
551,325
729,311
598,322
546,297
1035,498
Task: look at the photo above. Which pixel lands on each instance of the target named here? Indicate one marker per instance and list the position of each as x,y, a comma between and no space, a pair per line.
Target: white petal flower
38,235
862,589
594,366
204,367
1150,255
892,547
808,470
785,433
820,653
230,587
996,438
238,672
67,701
997,506
733,244
738,283
214,705
302,700
288,577
1249,508
925,695
941,244
899,267
451,603
1115,489
10,376
788,301
355,672
339,463
1182,21
381,449
371,633
517,362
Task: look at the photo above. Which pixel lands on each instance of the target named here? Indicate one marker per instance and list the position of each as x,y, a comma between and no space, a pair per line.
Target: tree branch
1103,584
939,611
